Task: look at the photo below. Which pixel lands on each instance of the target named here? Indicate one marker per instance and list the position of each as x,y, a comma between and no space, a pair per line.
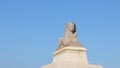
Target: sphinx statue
70,38
70,53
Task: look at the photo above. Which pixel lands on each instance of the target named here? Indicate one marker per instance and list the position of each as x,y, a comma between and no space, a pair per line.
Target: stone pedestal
71,65
71,54
71,57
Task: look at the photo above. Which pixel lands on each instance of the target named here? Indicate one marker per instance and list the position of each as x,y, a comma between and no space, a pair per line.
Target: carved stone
70,38
70,53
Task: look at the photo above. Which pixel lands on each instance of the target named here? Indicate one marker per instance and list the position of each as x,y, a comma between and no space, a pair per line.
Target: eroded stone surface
70,38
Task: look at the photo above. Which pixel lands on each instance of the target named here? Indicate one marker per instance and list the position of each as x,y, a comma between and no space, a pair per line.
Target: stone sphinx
70,53
70,38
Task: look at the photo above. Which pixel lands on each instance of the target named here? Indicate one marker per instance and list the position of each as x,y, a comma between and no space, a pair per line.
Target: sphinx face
71,27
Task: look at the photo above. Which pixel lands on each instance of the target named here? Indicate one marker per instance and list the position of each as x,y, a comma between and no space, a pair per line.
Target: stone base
71,57
71,65
71,54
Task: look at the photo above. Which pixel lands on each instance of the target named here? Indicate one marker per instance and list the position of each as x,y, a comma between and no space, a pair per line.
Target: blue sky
30,30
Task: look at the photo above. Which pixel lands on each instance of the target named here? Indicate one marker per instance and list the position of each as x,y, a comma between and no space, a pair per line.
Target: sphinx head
71,27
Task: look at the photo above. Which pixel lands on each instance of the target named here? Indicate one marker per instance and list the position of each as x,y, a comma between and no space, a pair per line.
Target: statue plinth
70,65
71,54
71,57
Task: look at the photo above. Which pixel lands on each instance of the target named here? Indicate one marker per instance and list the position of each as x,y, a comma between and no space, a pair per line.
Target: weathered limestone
70,53
70,38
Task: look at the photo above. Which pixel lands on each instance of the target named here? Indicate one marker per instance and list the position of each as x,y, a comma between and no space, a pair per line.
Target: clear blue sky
30,30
